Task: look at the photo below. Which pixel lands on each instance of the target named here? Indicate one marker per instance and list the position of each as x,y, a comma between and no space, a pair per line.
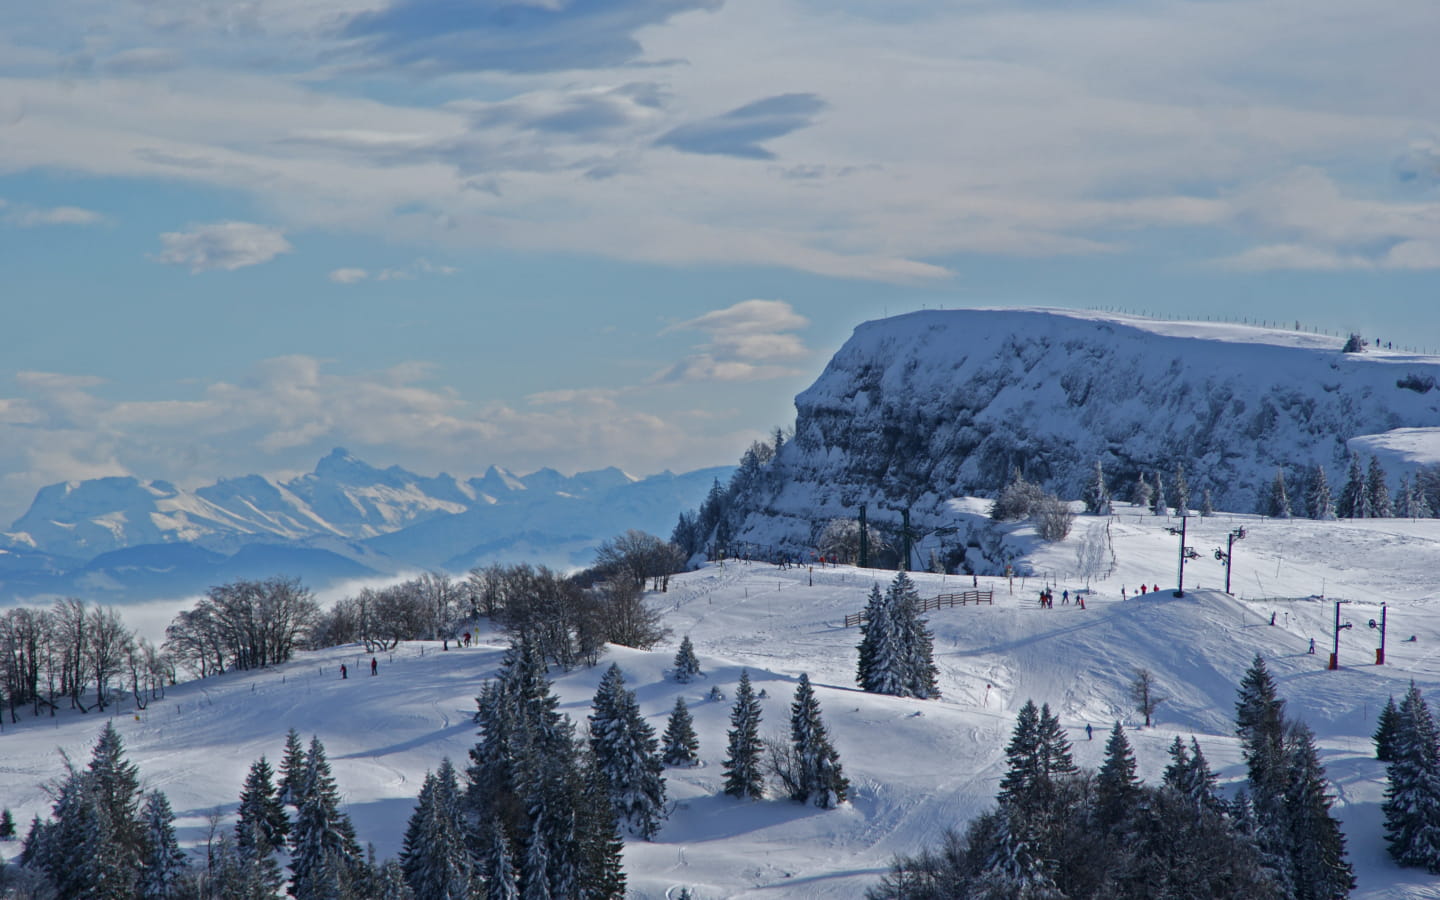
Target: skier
1122,592
1089,732
1154,588
1312,647
1142,588
467,638
1065,597
1272,618
343,673
374,666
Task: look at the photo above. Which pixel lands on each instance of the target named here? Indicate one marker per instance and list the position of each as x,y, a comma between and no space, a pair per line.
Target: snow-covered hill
123,538
916,767
922,407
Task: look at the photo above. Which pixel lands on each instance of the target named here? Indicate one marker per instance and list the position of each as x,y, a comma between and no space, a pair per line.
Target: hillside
916,766
919,408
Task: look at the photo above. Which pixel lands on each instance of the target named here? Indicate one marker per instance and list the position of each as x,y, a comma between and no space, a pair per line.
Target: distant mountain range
122,539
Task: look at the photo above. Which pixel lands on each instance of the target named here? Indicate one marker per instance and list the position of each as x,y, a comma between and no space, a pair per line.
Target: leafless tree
1142,691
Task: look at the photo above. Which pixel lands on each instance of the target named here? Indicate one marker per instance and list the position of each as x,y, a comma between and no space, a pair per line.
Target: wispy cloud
740,131
512,35
750,341
223,245
35,217
415,270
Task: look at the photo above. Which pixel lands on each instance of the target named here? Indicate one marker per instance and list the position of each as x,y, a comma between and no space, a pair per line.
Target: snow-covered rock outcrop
920,408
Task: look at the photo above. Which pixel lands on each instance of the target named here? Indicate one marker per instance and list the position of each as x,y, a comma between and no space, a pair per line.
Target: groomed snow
916,767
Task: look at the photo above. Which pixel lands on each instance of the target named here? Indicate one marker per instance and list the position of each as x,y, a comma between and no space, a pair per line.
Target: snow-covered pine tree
434,858
116,785
818,778
598,832
1117,789
162,862
687,666
1386,729
1353,500
877,641
390,882
262,826
680,745
1157,497
628,755
743,775
496,866
917,673
1038,756
1318,500
1261,726
1207,506
1097,495
326,856
1317,846
7,825
1141,492
1412,797
1277,501
1180,491
292,770
1382,506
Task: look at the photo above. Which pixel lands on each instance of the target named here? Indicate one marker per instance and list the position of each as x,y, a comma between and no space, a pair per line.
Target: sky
447,234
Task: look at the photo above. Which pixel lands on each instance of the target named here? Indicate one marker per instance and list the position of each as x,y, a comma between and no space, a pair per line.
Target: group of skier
1047,598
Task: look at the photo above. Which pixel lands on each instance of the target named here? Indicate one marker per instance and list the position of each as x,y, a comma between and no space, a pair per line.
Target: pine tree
1207,507
1412,797
628,755
1277,501
1354,500
918,675
7,825
1386,730
263,826
687,666
497,866
877,645
1038,756
743,777
162,863
1320,869
598,831
1180,491
116,784
292,770
435,860
1318,498
1260,724
818,779
326,855
1097,495
1158,506
1141,492
1381,504
681,746
1117,790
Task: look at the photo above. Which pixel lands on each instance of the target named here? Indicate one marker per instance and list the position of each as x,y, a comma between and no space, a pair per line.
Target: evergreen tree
7,825
162,863
818,779
1354,500
918,674
1318,498
1412,797
1260,724
681,746
292,770
1097,495
116,784
598,830
435,861
628,755
878,646
1410,499
390,882
1320,870
1180,491
1381,504
687,667
1386,730
1158,506
1117,790
1141,492
497,867
263,826
743,776
326,856
1207,507
1277,502
1038,756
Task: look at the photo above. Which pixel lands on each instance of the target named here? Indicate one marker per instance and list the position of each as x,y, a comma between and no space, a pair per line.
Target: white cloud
749,341
348,276
408,273
223,245
34,217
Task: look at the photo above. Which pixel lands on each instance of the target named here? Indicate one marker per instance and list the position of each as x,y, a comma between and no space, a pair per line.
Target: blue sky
580,233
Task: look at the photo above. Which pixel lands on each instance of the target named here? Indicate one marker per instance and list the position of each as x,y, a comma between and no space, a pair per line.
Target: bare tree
841,540
1053,518
639,556
1142,691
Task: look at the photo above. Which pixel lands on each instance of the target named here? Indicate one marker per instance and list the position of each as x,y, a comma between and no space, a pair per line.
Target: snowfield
916,767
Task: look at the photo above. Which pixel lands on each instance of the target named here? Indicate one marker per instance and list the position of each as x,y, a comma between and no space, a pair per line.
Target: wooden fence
939,601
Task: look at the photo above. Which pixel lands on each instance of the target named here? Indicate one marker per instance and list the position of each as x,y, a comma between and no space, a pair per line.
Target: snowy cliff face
933,405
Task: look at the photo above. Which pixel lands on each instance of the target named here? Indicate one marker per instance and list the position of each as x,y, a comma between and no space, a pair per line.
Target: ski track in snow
916,767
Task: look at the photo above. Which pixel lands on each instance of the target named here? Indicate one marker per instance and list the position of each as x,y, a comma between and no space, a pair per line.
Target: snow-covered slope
916,767
123,538
921,407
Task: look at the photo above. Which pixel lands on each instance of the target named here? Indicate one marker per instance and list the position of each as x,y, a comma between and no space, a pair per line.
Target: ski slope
916,767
